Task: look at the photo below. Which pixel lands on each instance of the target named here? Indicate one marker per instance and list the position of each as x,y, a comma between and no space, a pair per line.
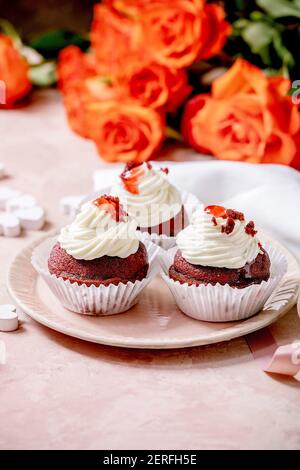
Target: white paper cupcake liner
217,303
190,203
92,300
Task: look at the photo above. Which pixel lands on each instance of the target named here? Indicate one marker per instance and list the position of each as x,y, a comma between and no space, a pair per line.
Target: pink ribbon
273,358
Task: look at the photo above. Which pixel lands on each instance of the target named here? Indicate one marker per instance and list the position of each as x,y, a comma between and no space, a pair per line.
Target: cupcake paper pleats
221,303
92,300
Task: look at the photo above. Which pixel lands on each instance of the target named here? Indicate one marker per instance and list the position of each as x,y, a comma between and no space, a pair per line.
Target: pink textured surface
58,392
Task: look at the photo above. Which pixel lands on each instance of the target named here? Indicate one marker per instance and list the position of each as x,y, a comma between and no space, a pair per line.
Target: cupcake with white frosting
98,264
101,246
149,197
219,270
219,246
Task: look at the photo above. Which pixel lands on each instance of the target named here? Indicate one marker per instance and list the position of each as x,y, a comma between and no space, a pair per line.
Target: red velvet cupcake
148,196
220,247
99,247
100,263
220,271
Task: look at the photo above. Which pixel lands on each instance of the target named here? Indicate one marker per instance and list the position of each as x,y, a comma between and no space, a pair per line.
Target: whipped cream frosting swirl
95,233
155,201
203,243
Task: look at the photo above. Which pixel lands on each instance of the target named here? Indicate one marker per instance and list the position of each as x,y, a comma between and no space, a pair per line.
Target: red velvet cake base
105,270
169,227
251,273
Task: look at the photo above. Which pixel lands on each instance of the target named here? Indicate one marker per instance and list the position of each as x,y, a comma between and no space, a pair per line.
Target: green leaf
43,75
258,35
50,43
280,8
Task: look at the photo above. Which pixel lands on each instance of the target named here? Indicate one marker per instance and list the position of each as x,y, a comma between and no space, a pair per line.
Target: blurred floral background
220,77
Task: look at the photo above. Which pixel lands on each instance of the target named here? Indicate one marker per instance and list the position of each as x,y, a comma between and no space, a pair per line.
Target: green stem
9,30
173,134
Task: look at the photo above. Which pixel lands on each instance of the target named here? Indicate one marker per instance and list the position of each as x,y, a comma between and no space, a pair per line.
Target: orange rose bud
248,117
215,31
125,132
13,73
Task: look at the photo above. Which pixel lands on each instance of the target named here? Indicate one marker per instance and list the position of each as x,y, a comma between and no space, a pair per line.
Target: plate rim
225,334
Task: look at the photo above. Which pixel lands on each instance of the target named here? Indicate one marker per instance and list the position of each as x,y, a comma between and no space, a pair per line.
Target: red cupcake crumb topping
220,211
112,206
165,170
235,215
229,226
229,214
130,176
216,211
250,229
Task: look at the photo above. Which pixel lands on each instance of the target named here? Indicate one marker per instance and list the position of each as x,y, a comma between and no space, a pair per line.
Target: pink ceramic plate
155,322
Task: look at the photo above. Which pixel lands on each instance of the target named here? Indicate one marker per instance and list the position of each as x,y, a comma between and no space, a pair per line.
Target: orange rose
146,84
132,7
127,7
242,77
78,97
172,31
154,85
114,37
215,31
73,67
80,86
125,132
13,72
246,118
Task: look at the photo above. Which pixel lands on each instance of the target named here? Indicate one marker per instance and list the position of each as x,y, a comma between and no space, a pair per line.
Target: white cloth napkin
268,194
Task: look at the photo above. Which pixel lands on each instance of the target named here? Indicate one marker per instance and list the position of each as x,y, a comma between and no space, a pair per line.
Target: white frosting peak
204,243
96,233
150,199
